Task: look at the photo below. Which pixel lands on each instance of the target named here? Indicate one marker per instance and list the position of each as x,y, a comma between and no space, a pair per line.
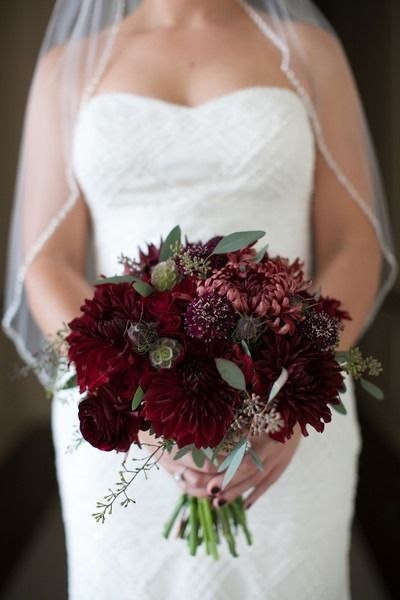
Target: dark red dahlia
330,306
191,403
209,317
107,423
99,343
313,383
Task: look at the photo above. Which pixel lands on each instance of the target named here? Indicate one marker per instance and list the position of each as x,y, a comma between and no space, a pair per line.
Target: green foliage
137,398
237,241
372,389
172,240
233,461
231,373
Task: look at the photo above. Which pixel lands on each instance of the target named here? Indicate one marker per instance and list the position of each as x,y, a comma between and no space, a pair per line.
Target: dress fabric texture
238,162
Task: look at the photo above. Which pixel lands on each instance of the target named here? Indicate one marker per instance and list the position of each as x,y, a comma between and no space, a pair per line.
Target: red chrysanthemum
267,289
107,423
99,343
313,383
190,404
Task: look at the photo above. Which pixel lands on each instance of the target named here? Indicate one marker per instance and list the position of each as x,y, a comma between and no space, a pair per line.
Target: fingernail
248,506
215,490
221,502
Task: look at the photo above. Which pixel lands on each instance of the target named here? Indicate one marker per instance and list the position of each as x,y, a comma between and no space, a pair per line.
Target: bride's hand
275,457
194,480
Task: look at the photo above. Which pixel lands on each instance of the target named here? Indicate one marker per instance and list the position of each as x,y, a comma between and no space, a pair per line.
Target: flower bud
165,275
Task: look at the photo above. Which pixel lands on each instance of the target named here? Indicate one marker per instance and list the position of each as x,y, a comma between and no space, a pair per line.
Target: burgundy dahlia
191,403
99,342
210,317
313,383
105,424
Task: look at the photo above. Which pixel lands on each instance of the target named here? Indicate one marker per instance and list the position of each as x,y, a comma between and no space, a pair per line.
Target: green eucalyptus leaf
372,389
256,459
137,398
236,458
231,373
116,279
260,254
278,384
143,288
209,453
245,347
237,241
198,457
183,451
340,408
172,239
342,356
71,383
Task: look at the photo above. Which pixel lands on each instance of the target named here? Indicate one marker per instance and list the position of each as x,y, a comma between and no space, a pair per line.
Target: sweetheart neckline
196,107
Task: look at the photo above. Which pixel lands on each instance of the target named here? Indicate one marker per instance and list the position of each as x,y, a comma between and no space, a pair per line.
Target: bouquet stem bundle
202,524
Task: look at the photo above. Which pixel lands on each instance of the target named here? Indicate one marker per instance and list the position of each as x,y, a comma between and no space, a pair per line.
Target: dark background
33,561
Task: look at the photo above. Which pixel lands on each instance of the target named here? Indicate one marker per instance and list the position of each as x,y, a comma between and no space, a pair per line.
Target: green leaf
172,239
235,459
340,408
198,457
183,451
116,279
143,288
372,389
278,385
260,254
71,383
342,355
237,241
209,453
245,347
137,398
257,460
231,373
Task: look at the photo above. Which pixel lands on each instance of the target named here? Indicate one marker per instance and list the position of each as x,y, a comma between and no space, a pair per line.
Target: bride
220,116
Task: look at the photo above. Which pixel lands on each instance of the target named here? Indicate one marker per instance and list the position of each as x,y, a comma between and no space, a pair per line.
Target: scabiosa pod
165,275
164,352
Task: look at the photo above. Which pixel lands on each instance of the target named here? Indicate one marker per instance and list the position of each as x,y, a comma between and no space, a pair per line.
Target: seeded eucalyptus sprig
354,363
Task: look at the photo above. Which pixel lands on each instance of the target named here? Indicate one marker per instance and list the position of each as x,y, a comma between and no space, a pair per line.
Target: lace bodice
241,161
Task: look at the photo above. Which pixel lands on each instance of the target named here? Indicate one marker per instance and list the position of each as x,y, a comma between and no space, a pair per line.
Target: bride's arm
55,282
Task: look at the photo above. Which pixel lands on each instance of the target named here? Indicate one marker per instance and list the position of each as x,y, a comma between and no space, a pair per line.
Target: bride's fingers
263,485
230,493
247,469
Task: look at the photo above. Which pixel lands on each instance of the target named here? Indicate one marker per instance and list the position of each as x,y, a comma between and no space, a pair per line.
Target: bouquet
206,345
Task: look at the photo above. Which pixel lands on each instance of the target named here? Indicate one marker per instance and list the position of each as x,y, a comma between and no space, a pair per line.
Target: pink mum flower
267,289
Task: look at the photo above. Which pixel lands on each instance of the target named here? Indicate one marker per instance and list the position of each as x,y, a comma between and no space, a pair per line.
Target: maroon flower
106,423
313,383
210,317
267,289
190,404
99,343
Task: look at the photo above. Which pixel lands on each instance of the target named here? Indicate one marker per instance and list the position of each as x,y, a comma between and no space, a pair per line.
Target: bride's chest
257,134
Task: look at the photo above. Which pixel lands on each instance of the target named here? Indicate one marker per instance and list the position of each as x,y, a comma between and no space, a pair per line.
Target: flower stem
171,521
209,526
202,520
224,516
237,509
193,524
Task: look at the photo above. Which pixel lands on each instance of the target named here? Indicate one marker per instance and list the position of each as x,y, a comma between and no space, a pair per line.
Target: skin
195,51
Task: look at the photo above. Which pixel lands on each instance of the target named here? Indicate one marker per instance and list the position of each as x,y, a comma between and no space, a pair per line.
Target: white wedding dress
242,161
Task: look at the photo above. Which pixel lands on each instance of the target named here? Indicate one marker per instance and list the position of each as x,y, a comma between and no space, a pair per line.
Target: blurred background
32,562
